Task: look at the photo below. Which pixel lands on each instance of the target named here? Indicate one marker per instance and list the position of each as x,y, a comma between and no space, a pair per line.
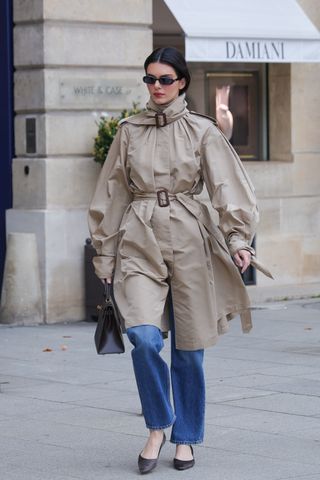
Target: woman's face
162,94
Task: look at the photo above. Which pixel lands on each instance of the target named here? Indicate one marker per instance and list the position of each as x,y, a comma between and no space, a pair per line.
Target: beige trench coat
148,247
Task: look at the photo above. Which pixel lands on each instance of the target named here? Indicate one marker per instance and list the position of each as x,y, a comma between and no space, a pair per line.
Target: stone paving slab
282,447
12,406
62,392
79,436
269,355
303,477
291,370
98,419
264,380
267,422
303,386
282,403
221,393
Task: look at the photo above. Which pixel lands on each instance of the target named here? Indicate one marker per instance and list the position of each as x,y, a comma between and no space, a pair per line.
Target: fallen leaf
308,328
47,349
63,347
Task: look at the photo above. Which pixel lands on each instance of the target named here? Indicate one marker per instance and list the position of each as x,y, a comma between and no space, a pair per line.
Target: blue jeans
153,381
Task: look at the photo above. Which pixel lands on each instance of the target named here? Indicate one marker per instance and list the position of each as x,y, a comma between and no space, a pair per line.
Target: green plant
107,129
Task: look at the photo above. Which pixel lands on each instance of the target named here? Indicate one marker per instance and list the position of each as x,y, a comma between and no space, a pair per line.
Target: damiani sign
255,50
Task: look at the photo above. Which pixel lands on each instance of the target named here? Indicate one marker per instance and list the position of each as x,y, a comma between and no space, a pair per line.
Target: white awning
246,31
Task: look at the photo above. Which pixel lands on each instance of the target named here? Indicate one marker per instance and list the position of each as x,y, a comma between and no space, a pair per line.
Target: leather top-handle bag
108,335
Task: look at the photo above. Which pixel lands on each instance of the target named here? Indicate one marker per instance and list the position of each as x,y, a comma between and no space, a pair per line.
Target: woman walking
164,253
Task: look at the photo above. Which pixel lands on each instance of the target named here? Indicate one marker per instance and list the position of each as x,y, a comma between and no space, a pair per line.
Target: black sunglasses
151,80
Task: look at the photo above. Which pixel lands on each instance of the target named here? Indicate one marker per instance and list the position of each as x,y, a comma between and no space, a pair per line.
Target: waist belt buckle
163,198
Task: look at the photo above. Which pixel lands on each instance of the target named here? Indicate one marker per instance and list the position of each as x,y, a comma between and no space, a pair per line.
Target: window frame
261,71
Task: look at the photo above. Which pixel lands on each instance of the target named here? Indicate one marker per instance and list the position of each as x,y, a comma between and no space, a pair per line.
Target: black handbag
108,335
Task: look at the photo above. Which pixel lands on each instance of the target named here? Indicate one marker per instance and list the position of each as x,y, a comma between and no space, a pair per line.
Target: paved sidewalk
71,414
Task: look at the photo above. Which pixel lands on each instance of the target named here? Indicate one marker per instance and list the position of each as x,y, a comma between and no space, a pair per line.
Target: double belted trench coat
152,234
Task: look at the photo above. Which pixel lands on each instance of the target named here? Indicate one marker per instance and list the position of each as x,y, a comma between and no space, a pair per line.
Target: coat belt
162,195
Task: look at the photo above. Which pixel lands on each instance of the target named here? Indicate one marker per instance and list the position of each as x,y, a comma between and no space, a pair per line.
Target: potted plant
107,129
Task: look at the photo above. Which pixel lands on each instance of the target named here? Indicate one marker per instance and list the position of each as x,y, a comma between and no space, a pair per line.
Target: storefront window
234,102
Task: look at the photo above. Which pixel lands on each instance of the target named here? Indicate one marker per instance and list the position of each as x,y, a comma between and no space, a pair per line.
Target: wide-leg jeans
153,382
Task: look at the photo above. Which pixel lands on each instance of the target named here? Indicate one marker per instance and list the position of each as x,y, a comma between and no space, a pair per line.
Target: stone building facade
75,60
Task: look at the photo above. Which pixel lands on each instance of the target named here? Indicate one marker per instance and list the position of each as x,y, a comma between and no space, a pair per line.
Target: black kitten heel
146,465
184,464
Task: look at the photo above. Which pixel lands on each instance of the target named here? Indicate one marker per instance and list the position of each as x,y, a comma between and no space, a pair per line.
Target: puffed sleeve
230,190
110,200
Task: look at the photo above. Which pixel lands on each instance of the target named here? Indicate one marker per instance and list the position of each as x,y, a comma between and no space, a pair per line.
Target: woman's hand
242,259
106,280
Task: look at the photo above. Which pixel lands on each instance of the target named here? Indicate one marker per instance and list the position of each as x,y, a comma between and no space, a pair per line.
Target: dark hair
170,56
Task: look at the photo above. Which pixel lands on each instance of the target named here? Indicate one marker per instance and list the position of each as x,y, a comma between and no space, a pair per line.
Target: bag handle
107,291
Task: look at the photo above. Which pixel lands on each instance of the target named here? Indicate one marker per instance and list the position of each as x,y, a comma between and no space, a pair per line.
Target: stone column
73,60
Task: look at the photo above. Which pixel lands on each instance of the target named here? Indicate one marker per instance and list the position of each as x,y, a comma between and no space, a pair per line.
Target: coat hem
228,315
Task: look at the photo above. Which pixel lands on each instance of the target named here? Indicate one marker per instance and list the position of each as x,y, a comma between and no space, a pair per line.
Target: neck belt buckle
161,119
163,198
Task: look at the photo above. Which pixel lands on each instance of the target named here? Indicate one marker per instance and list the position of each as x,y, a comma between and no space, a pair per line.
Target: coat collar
160,115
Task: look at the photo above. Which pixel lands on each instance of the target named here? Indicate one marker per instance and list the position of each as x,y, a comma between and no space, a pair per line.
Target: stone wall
73,60
288,186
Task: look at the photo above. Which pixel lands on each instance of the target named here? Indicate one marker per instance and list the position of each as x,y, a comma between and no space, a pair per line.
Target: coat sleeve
230,190
110,200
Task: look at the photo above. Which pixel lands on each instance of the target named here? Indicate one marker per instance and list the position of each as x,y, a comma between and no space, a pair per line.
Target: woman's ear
182,83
